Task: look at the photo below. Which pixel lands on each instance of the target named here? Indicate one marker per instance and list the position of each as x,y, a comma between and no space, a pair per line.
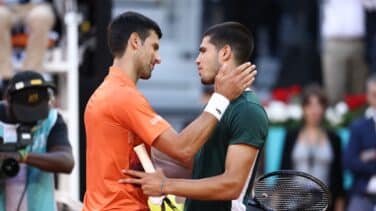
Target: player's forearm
213,188
191,139
58,161
184,145
194,136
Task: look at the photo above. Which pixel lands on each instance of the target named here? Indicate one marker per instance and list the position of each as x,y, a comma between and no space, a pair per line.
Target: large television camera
28,102
21,137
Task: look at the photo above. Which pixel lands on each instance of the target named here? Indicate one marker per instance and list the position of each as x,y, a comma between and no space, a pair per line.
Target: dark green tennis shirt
244,122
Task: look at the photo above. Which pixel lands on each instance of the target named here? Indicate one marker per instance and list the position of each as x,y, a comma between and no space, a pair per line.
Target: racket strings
287,192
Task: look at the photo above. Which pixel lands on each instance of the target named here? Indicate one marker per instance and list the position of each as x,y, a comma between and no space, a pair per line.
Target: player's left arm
226,186
59,156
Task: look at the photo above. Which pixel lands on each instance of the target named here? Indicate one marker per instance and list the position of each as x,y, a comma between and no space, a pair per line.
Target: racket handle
146,163
157,200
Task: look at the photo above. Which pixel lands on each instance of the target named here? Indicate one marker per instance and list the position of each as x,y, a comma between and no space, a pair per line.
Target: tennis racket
290,190
148,166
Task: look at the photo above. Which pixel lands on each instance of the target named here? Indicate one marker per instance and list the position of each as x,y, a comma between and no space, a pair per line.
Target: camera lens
10,167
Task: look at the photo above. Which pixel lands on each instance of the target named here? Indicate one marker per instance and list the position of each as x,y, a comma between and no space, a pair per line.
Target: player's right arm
184,145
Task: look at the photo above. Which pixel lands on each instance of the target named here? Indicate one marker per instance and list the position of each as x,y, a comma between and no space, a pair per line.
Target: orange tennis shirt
117,118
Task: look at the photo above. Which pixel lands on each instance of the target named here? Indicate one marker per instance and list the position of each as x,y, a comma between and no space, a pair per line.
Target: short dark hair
314,90
234,34
124,25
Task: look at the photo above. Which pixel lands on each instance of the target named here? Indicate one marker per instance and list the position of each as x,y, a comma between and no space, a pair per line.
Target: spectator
343,33
370,9
26,113
314,149
360,156
38,17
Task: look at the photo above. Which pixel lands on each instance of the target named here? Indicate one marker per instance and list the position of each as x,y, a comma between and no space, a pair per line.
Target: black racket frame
255,203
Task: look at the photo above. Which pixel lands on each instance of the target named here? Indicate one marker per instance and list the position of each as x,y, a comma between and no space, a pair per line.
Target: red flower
295,90
286,94
355,101
281,94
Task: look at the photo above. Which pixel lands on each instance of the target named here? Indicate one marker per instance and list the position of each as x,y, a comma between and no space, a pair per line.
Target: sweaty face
148,55
207,61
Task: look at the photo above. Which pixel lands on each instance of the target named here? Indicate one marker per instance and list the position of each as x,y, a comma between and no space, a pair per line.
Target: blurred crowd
330,42
24,17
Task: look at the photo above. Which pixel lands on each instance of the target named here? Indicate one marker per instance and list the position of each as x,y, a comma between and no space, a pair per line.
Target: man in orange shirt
118,117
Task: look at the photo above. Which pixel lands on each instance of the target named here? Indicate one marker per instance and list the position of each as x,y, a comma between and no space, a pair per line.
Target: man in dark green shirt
244,124
223,167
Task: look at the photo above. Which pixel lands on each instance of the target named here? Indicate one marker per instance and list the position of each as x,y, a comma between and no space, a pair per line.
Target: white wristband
217,105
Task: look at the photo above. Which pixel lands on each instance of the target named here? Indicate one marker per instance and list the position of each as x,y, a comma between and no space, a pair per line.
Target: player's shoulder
114,96
123,92
246,107
361,122
248,100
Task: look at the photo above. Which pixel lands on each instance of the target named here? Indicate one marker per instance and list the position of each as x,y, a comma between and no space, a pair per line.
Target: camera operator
27,109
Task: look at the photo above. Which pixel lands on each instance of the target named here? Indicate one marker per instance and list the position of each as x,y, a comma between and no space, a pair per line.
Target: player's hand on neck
231,82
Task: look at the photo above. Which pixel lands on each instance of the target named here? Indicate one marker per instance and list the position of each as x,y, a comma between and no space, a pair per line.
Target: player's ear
225,53
134,40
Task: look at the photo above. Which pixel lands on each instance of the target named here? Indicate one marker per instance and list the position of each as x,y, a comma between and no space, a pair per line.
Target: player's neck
127,66
231,65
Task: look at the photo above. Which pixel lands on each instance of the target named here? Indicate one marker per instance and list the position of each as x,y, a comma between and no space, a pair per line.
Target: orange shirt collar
121,75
